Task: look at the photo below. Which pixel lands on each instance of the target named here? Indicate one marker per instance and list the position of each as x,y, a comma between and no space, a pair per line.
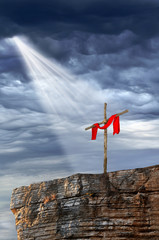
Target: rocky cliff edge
121,205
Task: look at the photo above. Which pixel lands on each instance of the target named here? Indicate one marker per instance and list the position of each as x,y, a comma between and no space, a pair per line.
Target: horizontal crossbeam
103,122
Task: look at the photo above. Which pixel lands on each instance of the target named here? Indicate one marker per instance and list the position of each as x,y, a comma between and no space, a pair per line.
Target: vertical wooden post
105,140
105,133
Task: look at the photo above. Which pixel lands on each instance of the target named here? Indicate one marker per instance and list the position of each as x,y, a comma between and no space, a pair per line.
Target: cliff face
122,205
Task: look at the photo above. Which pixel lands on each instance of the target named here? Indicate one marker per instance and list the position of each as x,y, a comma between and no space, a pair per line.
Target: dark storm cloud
99,16
113,43
11,65
63,28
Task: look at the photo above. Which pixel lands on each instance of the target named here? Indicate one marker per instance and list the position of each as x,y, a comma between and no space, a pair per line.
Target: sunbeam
59,92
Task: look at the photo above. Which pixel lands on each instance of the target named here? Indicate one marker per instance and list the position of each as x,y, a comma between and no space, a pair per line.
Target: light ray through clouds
59,91
63,95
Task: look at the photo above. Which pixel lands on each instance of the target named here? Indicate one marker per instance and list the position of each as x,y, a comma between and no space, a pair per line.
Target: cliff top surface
80,183
118,172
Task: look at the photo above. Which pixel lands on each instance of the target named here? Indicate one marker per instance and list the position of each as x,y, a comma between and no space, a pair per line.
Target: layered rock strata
121,205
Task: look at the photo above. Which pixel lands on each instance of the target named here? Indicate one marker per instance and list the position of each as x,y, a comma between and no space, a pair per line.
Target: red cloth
116,126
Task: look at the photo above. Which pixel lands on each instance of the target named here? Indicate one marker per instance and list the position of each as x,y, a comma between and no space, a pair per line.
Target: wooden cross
105,133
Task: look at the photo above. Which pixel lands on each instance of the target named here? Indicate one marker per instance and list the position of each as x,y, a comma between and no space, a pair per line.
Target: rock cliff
118,206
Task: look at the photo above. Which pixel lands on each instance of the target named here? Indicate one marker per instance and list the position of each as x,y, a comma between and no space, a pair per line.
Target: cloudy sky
59,62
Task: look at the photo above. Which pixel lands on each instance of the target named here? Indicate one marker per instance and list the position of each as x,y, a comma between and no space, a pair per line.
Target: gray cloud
26,135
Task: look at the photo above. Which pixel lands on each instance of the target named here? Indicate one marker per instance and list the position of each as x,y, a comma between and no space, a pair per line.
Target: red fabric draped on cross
116,126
